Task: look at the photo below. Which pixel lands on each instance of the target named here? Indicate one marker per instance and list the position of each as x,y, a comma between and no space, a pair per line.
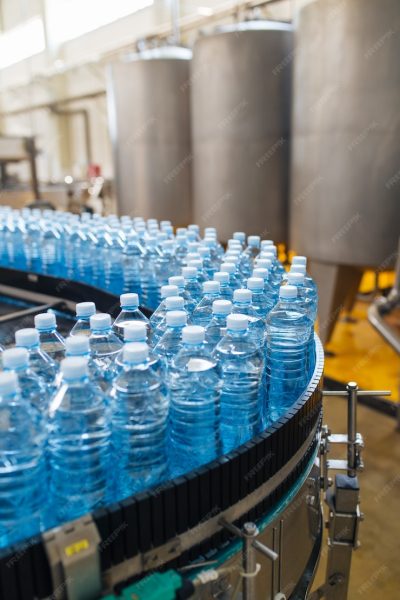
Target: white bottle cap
210,242
101,321
235,251
85,309
203,251
181,230
221,276
228,267
14,358
194,227
260,272
222,307
298,269
263,263
174,303
135,352
168,290
210,287
77,345
288,291
189,272
266,243
242,295
254,240
209,230
197,264
233,244
295,278
74,367
131,300
299,260
266,255
178,280
176,318
8,383
26,338
273,249
237,322
193,334
167,244
135,331
192,256
45,321
255,283
239,235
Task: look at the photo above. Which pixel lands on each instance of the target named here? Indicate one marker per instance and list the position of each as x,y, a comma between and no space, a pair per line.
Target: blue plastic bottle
306,304
259,299
50,340
216,328
170,342
179,281
130,311
234,281
40,363
79,345
104,347
50,249
288,331
192,284
32,245
22,471
242,304
139,423
159,314
84,310
132,254
242,364
171,303
271,291
253,248
194,380
78,445
202,314
113,261
149,279
225,291
32,387
167,264
197,263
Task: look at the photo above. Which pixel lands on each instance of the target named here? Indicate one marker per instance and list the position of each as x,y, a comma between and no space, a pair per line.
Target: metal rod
27,311
359,393
265,550
250,531
352,389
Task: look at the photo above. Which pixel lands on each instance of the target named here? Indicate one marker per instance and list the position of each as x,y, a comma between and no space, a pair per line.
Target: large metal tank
240,124
345,189
148,102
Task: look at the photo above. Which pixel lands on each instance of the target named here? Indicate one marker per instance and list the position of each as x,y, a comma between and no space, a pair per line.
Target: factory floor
375,572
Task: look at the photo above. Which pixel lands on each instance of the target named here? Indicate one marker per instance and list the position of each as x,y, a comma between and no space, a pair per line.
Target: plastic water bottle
104,346
149,279
113,261
209,267
241,237
78,445
225,291
131,257
288,333
195,403
167,264
171,303
198,264
260,302
234,281
32,245
79,345
170,342
242,365
299,265
32,388
139,423
192,284
216,328
181,248
253,247
159,314
130,311
50,340
211,244
84,310
202,314
137,332
50,249
40,363
179,281
242,304
271,291
22,449
304,299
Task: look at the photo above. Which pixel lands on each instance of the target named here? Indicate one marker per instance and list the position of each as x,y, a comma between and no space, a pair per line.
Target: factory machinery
248,525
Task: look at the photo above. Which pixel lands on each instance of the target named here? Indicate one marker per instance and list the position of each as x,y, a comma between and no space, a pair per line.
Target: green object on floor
158,586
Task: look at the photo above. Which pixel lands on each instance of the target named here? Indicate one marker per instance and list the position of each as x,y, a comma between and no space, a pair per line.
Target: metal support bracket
73,556
342,499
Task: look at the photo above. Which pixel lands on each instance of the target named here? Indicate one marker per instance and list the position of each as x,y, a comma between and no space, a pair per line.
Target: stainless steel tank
240,124
149,106
345,187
